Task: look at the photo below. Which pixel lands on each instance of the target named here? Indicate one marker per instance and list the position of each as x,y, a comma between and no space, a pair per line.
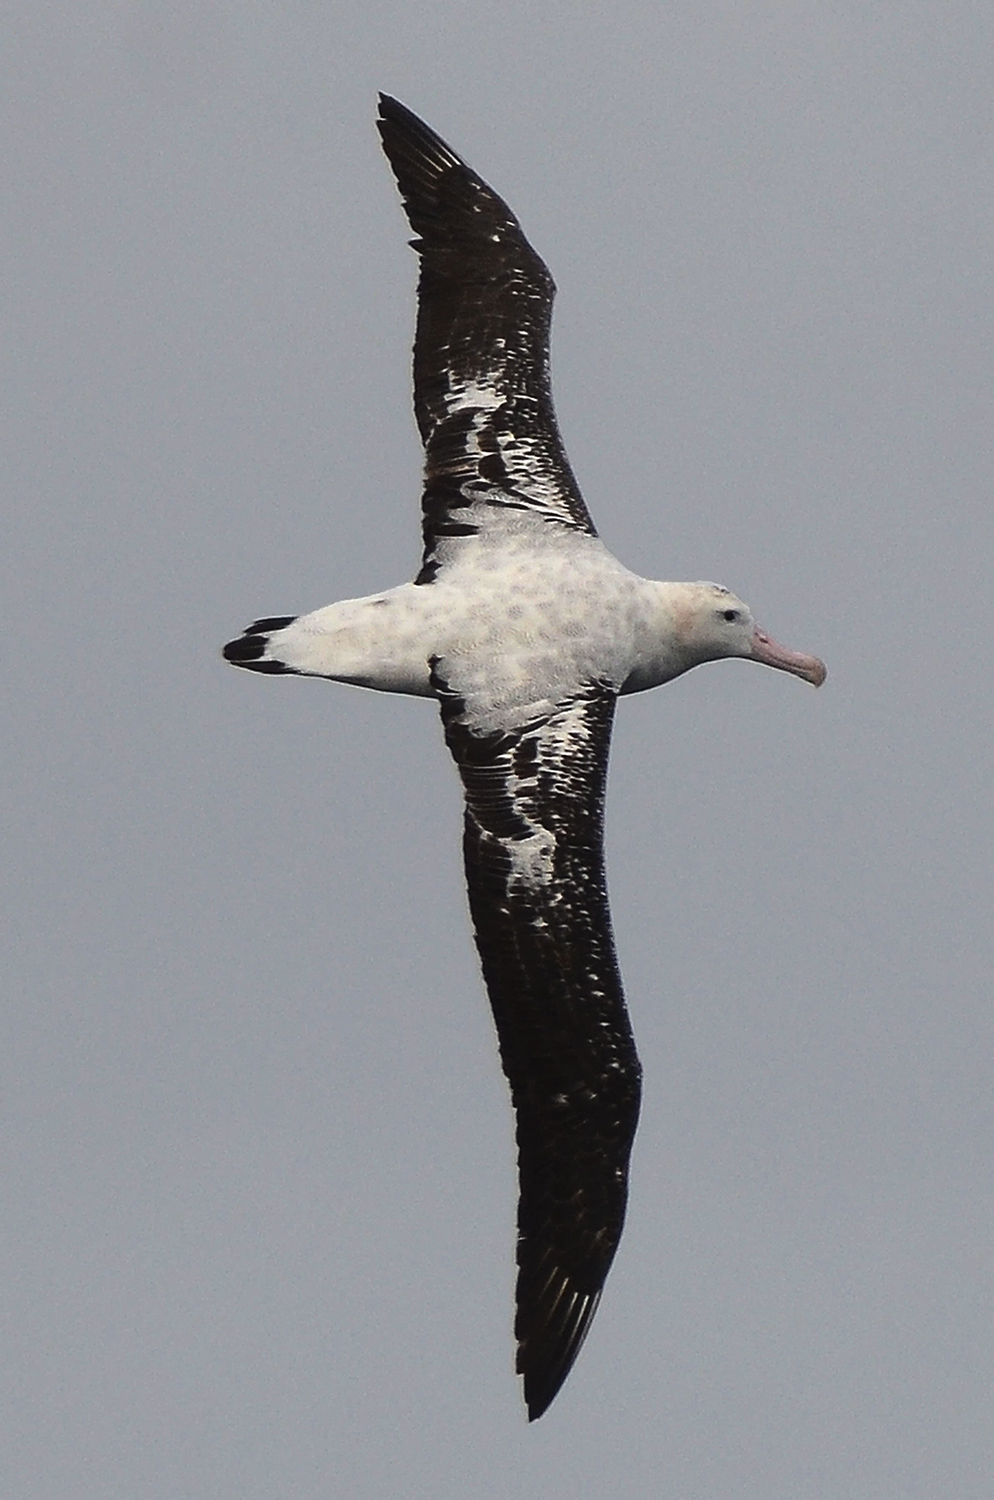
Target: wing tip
549,1347
391,109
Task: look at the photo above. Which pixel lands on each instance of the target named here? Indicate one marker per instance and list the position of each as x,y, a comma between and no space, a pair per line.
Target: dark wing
482,392
535,866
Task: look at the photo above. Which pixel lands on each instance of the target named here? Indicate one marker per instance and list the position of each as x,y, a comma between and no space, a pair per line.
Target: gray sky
259,1189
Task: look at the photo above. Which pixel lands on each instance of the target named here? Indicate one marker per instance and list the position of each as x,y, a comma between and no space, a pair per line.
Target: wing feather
482,388
533,848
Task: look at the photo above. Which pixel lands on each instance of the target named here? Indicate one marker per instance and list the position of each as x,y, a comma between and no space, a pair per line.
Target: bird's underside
525,629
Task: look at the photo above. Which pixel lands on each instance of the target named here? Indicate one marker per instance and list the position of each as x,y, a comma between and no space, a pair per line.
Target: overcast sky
259,1189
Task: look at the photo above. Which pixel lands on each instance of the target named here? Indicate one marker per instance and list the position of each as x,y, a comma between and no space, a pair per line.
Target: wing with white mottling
482,392
535,867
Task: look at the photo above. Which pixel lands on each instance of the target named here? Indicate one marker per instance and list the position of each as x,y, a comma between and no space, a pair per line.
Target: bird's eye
729,614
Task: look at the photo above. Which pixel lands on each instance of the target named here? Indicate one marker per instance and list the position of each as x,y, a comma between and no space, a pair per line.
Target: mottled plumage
526,630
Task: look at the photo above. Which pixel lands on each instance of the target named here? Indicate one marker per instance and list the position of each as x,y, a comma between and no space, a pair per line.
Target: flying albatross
526,630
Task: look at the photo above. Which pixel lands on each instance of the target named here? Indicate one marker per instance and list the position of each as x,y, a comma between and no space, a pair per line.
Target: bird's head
711,623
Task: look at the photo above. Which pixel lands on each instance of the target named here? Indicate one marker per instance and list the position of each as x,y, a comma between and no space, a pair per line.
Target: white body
529,612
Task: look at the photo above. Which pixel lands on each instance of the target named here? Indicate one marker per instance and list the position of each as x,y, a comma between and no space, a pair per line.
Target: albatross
525,630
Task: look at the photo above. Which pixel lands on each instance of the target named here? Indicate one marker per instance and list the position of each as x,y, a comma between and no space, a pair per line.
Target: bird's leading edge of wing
482,392
533,848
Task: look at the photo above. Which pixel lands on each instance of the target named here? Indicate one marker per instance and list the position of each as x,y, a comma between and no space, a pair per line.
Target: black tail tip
250,649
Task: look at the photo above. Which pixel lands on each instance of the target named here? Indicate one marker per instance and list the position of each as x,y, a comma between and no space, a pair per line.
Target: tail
257,649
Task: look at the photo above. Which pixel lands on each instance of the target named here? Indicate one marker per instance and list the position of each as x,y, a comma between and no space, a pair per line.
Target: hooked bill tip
770,652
